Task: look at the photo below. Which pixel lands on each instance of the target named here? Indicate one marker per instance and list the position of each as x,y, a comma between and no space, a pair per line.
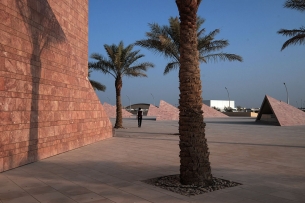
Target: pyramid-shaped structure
209,112
111,111
167,111
280,113
153,110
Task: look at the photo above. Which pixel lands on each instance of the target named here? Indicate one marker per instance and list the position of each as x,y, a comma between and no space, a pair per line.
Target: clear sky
251,28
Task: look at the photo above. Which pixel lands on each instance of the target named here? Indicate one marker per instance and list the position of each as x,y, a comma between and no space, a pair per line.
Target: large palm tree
120,62
297,36
165,40
95,84
194,154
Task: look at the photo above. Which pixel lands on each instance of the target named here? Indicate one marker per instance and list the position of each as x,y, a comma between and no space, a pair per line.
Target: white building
221,104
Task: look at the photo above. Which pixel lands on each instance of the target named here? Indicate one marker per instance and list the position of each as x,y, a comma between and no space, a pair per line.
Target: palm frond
298,39
295,4
200,22
223,57
213,34
134,72
173,30
200,32
171,66
291,33
104,65
97,86
297,36
96,56
210,46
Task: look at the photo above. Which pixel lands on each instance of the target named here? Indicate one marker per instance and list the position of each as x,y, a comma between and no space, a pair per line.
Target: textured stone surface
285,114
153,110
46,101
167,112
111,111
209,112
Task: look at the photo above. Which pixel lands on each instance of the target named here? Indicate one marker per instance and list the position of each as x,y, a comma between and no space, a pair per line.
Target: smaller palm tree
297,36
95,85
120,62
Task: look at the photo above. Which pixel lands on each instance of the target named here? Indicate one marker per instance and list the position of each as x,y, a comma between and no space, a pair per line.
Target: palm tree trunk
194,155
118,87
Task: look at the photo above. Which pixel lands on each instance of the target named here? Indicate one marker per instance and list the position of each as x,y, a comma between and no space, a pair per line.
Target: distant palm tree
120,62
96,85
297,36
165,40
195,166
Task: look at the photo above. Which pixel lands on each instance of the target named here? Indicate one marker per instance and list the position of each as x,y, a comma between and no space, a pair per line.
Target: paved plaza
268,160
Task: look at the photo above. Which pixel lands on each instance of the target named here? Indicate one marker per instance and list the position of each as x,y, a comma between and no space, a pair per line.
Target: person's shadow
44,31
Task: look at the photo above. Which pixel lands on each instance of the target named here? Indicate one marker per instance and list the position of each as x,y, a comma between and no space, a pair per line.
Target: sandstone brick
47,104
2,84
7,104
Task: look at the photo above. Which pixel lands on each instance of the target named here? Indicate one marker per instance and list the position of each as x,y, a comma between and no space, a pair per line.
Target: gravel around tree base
172,183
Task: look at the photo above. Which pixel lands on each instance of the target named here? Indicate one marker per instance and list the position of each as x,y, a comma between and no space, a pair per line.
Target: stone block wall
47,105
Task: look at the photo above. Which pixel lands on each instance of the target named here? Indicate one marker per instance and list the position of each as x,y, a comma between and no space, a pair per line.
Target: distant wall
47,105
221,104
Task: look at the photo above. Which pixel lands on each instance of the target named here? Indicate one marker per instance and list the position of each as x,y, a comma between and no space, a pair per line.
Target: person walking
140,114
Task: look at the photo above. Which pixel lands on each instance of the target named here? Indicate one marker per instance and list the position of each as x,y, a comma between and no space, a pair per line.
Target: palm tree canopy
120,62
165,40
96,85
297,36
295,4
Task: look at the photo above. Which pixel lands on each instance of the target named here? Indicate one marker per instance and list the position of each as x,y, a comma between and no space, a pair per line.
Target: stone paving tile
263,189
289,195
267,160
272,199
39,190
140,191
29,182
53,197
248,201
219,196
72,190
88,197
23,199
119,196
208,199
102,201
244,193
167,199
12,195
